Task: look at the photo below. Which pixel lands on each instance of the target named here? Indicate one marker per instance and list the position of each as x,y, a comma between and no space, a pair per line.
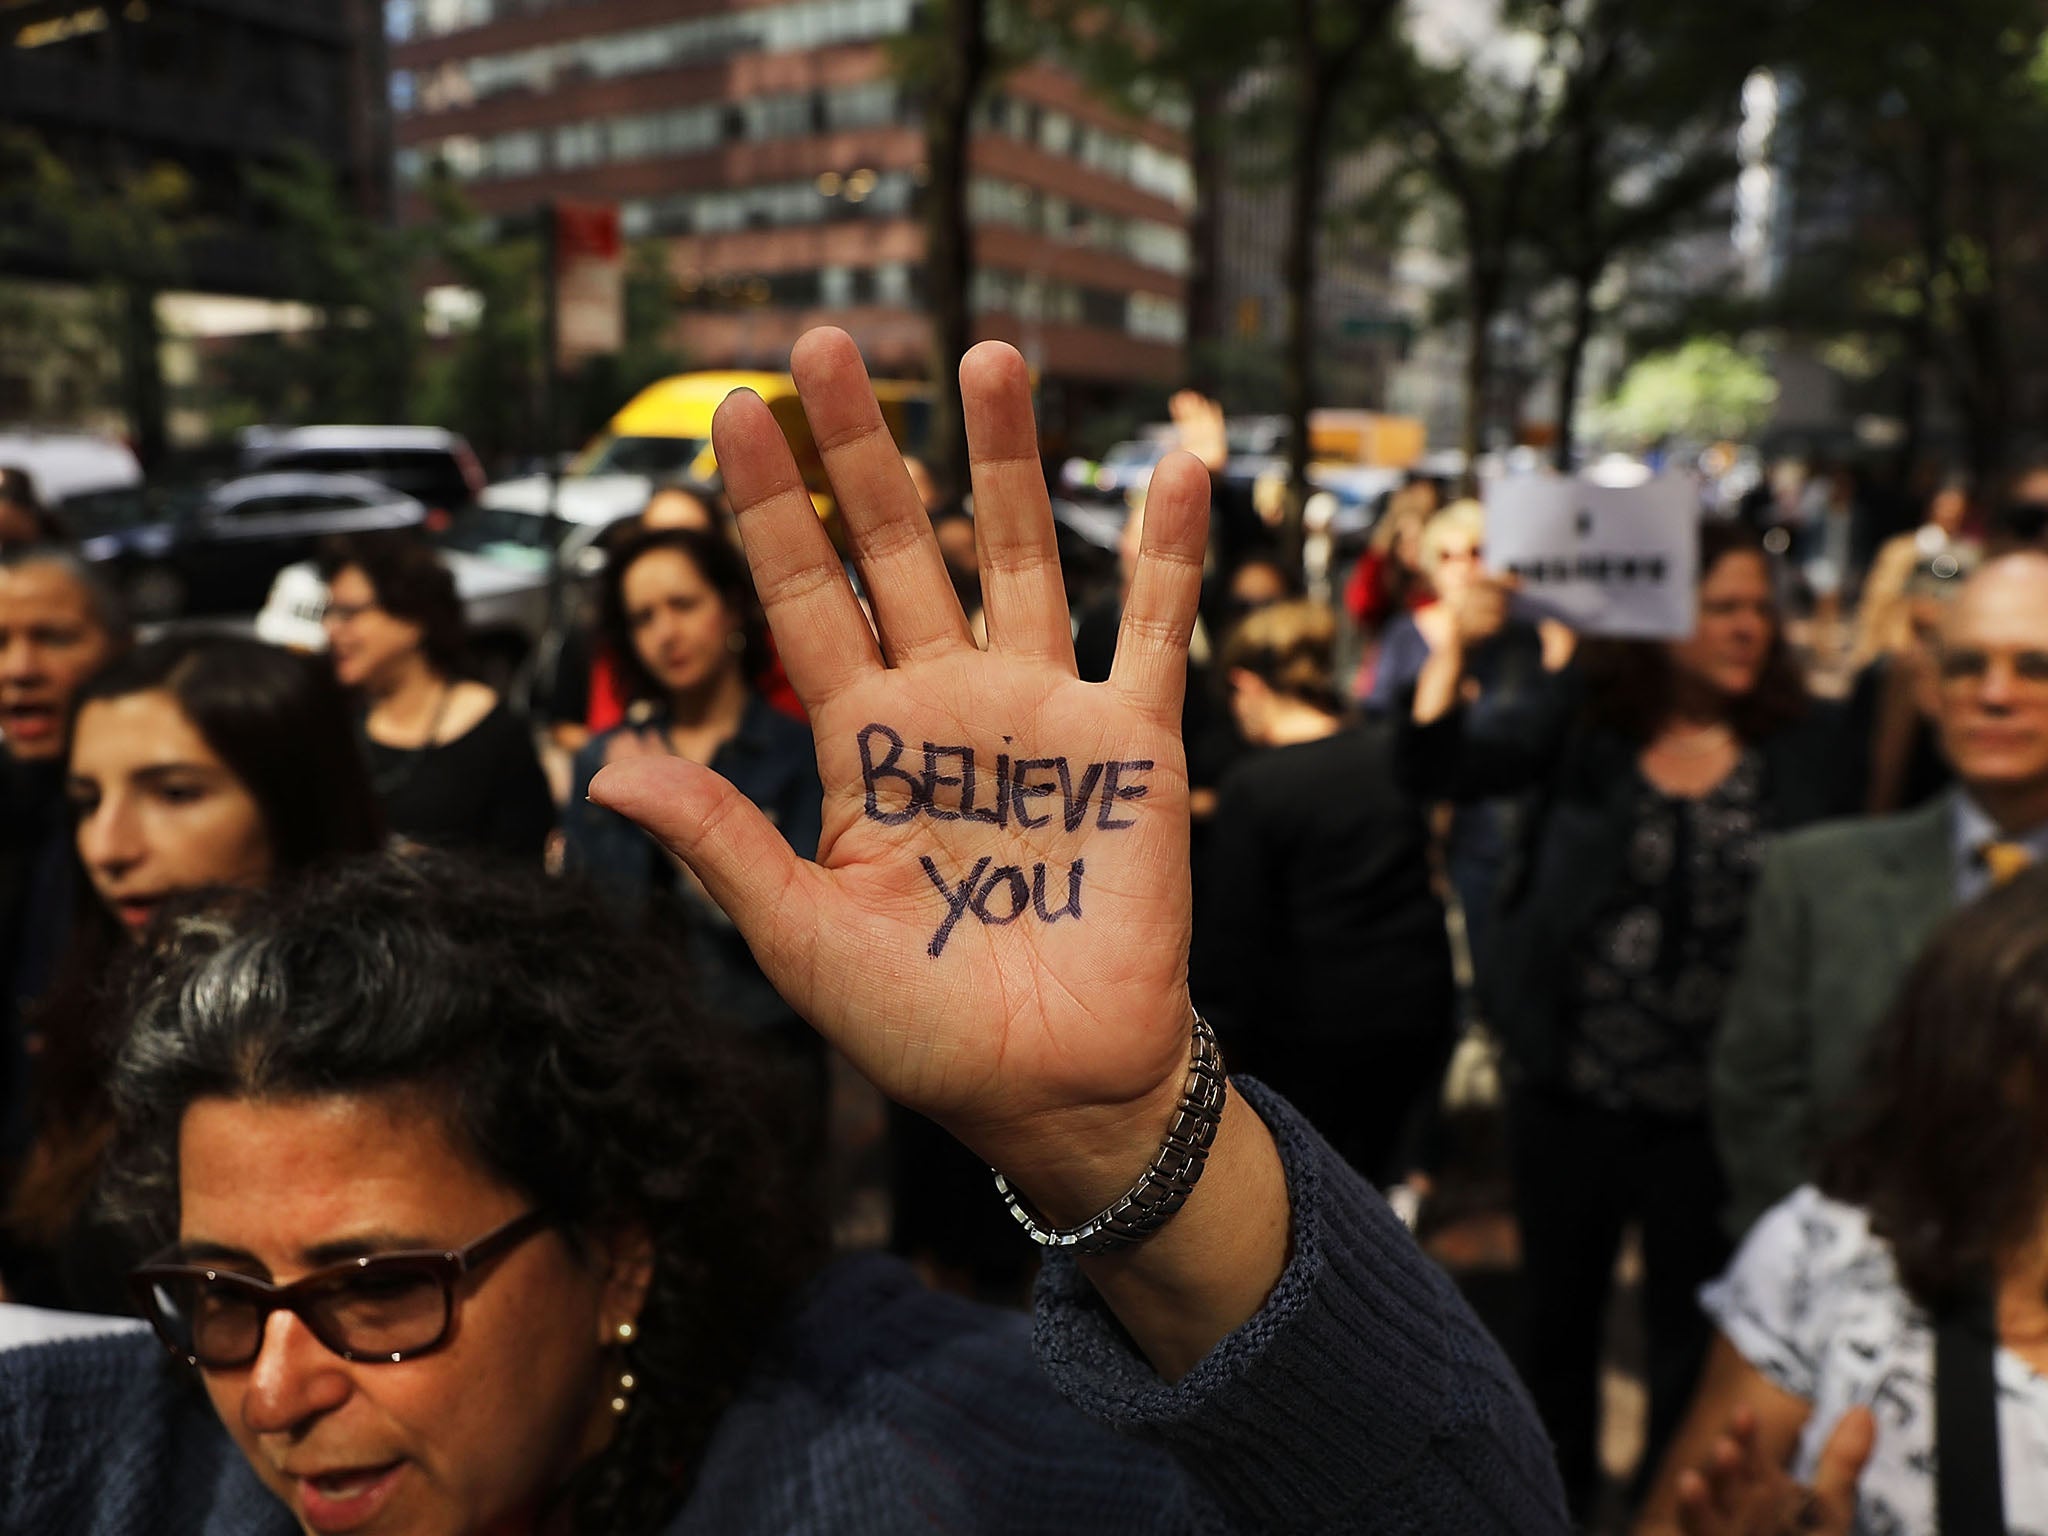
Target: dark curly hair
724,570
1630,683
1946,1140
571,1064
412,584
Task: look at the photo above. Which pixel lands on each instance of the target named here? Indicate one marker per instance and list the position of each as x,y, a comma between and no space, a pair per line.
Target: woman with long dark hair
197,763
1657,771
452,763
679,613
1926,1230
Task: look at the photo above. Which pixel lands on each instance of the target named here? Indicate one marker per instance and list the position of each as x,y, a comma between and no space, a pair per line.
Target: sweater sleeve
1365,1396
100,1437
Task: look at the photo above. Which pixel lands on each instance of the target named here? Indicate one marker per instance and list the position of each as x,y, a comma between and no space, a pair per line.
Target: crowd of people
470,1151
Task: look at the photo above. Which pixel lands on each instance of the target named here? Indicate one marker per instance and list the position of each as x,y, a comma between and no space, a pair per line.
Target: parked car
1125,468
79,476
215,552
434,467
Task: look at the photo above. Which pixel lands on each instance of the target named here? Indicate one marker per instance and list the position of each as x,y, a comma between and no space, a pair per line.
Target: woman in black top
1321,953
1658,772
451,764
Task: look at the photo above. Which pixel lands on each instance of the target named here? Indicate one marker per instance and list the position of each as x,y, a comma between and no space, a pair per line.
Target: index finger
886,524
821,634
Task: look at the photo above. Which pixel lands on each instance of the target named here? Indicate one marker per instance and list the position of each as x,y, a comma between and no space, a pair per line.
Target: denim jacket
771,760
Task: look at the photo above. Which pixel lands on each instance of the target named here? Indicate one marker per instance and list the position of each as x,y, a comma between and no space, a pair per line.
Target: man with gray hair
1842,910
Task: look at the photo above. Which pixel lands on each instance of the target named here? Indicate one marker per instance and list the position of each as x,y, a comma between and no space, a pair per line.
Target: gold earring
622,1396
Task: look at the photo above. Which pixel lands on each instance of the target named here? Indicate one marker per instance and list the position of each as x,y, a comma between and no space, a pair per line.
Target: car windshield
99,512
651,456
1135,453
513,538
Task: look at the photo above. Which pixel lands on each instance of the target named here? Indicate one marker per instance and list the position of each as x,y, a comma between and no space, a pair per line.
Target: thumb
699,817
1843,1458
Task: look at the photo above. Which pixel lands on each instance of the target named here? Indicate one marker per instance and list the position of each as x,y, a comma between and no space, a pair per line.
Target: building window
779,117
578,145
1154,317
873,105
1055,133
515,154
401,91
766,29
893,285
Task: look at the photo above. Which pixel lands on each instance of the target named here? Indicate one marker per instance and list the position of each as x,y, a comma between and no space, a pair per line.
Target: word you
954,784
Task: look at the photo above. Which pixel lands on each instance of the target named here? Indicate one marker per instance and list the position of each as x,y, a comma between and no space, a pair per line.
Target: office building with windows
114,89
774,152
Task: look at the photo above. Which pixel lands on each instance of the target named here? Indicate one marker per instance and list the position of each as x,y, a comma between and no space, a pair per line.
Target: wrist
1083,1160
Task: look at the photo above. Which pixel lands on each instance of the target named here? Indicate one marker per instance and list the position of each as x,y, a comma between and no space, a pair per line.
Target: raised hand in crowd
1740,1490
996,929
1199,426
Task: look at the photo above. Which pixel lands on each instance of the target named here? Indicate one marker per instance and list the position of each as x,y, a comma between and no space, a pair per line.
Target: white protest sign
1606,560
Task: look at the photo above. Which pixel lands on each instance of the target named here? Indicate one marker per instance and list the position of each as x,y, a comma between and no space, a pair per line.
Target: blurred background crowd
357,489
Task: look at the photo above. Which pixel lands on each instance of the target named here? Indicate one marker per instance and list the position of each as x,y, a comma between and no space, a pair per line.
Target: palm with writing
1012,964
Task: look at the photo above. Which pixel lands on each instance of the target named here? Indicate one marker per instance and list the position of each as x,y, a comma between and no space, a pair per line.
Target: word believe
952,784
1012,794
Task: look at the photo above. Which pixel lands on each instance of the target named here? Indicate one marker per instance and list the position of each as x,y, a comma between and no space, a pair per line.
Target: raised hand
1200,427
996,928
1739,1493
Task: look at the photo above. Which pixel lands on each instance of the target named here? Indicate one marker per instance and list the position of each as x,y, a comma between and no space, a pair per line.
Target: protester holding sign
1660,769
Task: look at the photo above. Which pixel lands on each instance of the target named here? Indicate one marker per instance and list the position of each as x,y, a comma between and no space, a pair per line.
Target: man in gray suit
1842,910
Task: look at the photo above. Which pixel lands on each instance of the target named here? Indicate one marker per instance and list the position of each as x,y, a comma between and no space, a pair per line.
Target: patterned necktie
2005,862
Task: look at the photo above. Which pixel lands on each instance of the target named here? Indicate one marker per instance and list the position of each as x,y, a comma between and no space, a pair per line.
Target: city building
771,147
117,88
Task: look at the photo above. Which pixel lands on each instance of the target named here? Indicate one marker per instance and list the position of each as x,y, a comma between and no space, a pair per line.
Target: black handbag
1969,1494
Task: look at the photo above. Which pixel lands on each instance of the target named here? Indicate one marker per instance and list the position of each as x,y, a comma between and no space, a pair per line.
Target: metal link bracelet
1151,1202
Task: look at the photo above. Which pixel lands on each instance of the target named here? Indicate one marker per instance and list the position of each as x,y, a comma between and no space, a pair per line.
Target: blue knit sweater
1363,1397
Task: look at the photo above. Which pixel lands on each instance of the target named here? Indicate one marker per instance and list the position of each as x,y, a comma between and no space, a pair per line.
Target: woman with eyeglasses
452,763
1656,771
330,1105
197,764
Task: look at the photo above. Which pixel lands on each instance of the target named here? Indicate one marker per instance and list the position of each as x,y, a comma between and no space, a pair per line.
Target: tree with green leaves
130,234
359,276
1328,43
487,384
1642,147
1707,389
1477,124
1920,157
947,63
